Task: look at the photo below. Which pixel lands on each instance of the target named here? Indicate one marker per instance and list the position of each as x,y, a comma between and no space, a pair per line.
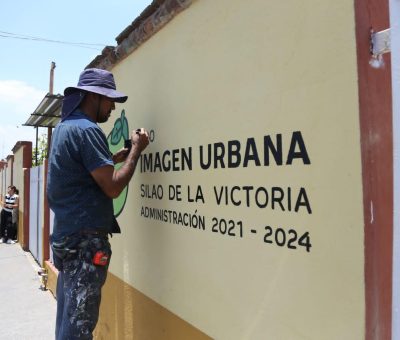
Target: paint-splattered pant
79,286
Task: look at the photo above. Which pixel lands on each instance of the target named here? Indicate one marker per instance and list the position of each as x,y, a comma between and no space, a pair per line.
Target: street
26,311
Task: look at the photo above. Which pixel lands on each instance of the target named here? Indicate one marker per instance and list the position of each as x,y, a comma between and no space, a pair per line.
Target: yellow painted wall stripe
126,313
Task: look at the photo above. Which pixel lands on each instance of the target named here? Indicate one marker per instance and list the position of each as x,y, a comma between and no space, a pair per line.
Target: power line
10,35
44,39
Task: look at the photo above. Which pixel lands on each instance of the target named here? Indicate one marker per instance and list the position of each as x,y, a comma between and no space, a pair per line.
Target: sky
25,63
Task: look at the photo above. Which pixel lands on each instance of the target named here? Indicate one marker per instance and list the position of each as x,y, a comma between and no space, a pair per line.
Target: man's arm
112,181
120,156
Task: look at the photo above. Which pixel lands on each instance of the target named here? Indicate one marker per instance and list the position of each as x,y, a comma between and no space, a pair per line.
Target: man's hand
140,140
112,181
120,155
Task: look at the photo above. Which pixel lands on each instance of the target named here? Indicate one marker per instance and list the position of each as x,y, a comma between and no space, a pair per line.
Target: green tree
41,150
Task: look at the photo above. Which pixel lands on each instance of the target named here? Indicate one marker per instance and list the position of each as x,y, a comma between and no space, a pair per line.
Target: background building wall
22,161
222,74
9,172
19,183
3,172
4,178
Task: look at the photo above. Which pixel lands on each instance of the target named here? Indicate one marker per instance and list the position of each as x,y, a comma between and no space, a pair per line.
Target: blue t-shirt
78,147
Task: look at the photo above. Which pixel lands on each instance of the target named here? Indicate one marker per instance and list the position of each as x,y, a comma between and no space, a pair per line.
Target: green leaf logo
115,140
120,129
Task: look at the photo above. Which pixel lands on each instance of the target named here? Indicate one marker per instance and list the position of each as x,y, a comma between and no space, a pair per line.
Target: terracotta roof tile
150,21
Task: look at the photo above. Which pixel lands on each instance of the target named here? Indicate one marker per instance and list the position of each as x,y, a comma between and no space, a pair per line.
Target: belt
94,232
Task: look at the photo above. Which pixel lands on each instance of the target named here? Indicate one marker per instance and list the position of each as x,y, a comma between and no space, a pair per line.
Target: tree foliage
41,150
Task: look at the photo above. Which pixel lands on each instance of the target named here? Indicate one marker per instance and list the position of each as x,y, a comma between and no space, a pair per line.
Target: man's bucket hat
90,80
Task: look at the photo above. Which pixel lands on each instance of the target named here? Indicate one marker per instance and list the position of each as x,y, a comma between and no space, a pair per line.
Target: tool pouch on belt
97,252
91,249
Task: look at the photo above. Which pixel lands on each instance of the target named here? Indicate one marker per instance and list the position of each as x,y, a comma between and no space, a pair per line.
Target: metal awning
48,113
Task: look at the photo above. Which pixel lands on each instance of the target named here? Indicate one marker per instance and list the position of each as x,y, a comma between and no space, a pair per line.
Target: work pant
79,285
7,227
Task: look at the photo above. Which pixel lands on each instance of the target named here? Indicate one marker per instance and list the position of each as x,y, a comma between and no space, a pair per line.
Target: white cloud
17,101
15,90
10,135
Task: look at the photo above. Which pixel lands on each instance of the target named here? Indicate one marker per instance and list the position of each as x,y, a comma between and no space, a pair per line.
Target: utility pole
46,209
50,129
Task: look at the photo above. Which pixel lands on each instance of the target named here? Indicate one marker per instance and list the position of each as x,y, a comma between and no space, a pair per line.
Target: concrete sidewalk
26,312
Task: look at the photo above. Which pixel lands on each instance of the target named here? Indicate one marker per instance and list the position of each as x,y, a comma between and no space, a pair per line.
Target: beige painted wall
3,187
8,174
19,183
230,70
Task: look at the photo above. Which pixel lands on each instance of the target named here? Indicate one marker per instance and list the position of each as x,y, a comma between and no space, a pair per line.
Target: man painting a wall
82,182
